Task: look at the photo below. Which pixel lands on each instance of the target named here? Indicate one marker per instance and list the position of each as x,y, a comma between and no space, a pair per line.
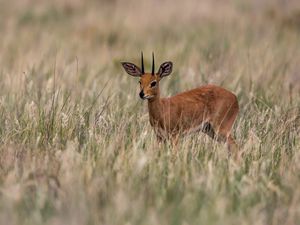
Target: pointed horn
153,64
142,61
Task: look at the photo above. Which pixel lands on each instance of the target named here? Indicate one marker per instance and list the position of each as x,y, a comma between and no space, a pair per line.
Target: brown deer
209,108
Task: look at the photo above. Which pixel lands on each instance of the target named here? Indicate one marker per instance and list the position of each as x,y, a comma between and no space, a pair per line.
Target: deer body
210,109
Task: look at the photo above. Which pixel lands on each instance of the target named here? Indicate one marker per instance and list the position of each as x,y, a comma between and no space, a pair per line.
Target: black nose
142,95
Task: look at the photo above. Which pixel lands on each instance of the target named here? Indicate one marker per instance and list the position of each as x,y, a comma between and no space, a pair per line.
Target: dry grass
76,144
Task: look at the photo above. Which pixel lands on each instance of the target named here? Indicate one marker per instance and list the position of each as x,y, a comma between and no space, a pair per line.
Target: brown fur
192,110
210,109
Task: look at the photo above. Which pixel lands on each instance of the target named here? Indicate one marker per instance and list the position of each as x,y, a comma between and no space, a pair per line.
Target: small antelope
210,109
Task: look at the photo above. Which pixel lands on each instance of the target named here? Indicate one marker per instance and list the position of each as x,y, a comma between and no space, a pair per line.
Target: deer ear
165,69
132,69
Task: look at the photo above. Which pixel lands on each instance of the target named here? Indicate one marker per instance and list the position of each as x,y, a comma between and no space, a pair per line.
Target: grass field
76,144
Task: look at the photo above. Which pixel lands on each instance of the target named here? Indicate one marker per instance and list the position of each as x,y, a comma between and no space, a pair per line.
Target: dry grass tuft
76,144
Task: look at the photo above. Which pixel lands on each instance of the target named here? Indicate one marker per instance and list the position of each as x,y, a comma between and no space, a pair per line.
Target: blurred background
76,146
217,38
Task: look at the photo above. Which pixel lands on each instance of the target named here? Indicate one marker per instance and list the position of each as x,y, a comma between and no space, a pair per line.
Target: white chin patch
148,97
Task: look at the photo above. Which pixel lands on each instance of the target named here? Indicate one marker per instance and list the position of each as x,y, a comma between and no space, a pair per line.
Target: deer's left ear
165,69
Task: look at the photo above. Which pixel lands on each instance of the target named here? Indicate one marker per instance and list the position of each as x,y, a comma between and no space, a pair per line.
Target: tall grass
77,147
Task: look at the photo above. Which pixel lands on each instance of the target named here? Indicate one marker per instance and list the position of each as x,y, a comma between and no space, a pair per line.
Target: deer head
149,82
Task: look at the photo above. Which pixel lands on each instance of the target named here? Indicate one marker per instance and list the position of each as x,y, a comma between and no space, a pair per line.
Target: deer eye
140,82
153,83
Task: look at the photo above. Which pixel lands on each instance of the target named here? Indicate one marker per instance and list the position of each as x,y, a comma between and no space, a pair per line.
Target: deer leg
232,146
223,133
225,137
221,136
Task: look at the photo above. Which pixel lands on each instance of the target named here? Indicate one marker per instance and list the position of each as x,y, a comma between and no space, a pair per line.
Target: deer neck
155,107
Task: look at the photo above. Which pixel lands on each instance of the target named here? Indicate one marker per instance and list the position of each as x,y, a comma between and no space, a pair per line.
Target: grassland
76,146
